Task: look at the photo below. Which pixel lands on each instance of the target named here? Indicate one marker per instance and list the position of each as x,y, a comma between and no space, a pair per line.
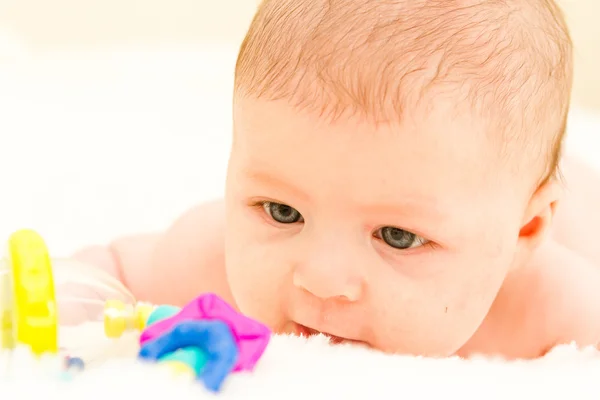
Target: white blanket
95,145
294,368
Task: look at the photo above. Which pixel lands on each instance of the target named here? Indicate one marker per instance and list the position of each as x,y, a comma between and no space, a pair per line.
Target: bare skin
546,293
553,301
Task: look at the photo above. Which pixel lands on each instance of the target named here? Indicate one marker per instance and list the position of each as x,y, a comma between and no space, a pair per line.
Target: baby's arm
171,267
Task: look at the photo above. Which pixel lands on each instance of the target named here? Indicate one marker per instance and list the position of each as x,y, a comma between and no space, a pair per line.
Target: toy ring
34,308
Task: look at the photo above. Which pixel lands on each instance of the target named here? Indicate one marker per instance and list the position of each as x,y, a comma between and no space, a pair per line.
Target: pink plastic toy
251,336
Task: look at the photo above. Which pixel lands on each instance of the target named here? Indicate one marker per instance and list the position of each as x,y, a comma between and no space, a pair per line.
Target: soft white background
111,143
116,117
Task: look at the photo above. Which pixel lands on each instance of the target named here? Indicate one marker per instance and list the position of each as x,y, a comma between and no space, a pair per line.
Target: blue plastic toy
207,345
206,338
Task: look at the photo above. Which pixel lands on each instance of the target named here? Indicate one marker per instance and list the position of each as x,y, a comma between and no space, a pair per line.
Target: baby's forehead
439,150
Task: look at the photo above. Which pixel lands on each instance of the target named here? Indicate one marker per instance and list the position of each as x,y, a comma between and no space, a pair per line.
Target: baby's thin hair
509,60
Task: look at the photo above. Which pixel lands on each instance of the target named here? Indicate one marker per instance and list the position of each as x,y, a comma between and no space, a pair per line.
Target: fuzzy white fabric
96,145
296,368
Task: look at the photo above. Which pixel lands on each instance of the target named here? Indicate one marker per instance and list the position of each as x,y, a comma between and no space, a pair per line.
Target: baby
393,181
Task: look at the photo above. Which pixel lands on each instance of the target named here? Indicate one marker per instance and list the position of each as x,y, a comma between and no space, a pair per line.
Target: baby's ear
538,216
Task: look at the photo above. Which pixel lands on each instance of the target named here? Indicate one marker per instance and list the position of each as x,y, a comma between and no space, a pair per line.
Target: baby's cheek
436,312
256,278
471,292
418,329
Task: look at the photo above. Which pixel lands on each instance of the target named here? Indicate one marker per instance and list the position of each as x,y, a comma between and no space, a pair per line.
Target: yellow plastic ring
35,320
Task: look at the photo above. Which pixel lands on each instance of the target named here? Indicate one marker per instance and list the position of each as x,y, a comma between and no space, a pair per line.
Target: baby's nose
330,280
346,290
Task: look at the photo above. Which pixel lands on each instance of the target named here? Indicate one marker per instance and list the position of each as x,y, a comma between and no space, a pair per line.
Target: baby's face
396,236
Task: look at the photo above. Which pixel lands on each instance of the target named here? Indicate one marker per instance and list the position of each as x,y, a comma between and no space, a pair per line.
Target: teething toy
206,346
39,295
251,336
206,339
208,336
29,314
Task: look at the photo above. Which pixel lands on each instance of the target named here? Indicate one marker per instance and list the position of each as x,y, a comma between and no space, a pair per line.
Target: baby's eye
282,213
399,238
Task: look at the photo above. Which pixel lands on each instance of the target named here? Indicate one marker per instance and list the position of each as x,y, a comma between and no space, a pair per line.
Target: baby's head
392,162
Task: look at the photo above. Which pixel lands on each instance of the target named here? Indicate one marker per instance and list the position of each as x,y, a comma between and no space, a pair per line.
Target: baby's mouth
307,332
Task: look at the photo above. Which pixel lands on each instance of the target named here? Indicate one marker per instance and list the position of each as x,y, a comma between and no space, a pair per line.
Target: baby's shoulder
554,300
577,214
560,296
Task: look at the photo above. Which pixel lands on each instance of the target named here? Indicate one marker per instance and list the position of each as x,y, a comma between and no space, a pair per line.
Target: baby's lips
251,336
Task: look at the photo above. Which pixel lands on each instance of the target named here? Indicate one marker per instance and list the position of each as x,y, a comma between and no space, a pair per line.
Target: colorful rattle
206,338
27,298
40,295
